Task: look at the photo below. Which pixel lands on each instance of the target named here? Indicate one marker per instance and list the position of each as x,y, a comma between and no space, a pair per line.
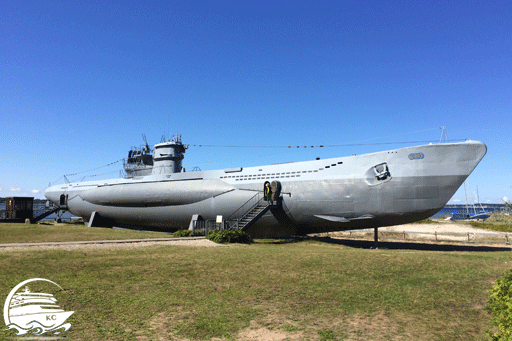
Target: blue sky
81,81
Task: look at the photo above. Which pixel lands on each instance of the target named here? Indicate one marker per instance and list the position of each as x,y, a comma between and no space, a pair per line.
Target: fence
210,225
465,237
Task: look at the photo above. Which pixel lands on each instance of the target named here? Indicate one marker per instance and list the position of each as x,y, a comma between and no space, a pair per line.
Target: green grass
34,233
498,227
493,224
305,290
498,222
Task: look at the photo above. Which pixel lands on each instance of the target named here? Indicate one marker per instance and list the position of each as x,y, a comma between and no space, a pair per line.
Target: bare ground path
441,236
185,241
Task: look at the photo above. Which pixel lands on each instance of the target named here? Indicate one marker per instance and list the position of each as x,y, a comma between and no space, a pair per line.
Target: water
461,211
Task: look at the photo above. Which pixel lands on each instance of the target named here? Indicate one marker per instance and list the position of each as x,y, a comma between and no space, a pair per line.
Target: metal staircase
255,208
45,214
252,216
248,213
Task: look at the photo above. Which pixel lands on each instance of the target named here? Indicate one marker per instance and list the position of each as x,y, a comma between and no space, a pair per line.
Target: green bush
188,233
199,232
226,236
182,233
500,306
500,218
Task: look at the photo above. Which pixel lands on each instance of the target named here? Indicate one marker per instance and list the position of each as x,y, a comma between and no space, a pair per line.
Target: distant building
19,208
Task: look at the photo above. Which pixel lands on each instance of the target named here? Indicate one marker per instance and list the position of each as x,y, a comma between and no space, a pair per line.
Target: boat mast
444,136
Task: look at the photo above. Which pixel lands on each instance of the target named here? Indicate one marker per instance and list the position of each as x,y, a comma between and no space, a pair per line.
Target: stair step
252,215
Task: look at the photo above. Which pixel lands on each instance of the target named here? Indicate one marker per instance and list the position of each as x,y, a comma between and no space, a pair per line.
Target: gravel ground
442,231
441,227
445,230
111,244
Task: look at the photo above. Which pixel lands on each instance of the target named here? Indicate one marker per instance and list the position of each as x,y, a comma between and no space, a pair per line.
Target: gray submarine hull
360,191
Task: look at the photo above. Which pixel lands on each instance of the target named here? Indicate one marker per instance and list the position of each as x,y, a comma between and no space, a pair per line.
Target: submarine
371,190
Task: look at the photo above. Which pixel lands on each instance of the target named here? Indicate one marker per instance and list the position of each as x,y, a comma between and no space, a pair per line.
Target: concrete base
193,222
98,221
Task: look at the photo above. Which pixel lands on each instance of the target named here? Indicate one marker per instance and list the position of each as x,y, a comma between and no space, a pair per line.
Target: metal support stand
376,238
194,222
96,220
60,213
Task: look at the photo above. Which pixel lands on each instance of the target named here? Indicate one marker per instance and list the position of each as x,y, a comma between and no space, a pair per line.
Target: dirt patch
379,327
110,244
442,231
441,227
159,327
257,332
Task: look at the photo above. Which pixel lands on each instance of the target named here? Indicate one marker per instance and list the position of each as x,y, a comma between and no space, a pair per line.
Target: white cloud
505,199
14,191
456,200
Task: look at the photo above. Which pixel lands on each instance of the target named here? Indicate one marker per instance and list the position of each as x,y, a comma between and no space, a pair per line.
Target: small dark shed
19,207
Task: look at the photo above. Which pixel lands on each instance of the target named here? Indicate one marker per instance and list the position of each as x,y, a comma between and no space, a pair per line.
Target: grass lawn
51,232
304,290
495,226
500,222
497,223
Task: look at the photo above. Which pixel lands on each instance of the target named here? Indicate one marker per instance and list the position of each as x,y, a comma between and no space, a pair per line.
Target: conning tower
168,156
140,161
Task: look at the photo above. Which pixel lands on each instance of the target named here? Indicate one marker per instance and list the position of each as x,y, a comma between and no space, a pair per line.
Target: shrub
226,236
199,232
500,218
188,233
500,306
182,233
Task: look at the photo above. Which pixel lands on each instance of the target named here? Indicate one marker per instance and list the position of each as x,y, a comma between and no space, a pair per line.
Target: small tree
507,203
500,306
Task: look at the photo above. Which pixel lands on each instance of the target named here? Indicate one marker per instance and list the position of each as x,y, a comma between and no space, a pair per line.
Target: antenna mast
444,136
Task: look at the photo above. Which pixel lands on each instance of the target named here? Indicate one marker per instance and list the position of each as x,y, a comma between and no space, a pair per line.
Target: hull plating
370,190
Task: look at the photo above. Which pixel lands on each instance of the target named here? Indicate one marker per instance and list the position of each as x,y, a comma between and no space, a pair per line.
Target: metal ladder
252,216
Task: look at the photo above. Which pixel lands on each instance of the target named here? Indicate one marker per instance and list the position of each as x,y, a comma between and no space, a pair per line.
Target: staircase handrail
246,207
45,214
